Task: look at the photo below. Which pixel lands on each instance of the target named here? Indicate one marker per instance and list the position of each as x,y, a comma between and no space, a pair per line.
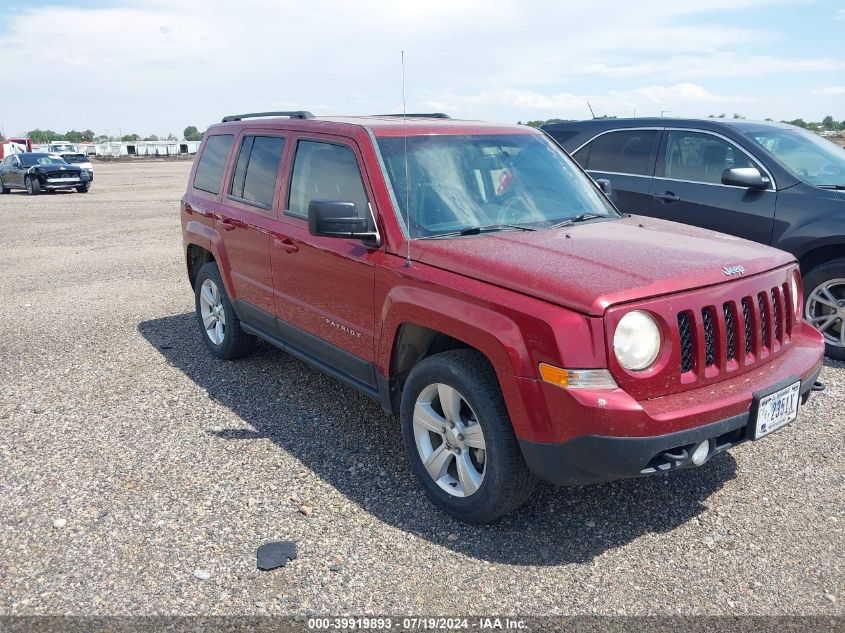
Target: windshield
28,160
76,158
807,155
460,182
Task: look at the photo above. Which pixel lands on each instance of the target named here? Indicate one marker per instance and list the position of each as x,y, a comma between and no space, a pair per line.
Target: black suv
768,182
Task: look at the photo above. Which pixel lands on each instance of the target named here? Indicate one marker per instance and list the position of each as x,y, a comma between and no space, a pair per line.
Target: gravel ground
138,475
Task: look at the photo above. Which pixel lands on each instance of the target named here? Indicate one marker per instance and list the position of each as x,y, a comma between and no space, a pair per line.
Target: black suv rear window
624,152
213,162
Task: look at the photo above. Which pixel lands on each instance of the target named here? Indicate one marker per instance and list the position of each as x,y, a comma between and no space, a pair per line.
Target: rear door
688,188
247,216
625,157
324,286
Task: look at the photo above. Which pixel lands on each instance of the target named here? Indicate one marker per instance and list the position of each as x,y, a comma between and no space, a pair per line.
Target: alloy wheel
449,440
212,312
825,310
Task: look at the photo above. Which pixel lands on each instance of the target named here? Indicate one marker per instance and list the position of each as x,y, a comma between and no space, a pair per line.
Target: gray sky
154,66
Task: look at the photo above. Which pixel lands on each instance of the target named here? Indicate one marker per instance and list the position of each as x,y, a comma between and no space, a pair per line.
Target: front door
324,286
688,188
626,158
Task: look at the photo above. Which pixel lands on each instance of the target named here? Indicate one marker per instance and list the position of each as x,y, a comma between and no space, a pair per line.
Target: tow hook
817,386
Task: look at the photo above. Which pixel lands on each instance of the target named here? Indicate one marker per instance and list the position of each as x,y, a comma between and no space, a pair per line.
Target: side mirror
605,186
749,177
333,218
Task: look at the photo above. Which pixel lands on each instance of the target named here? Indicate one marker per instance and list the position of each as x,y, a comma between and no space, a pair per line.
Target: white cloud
158,65
830,90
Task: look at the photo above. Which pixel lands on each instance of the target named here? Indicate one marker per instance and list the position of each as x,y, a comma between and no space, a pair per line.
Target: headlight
636,341
794,284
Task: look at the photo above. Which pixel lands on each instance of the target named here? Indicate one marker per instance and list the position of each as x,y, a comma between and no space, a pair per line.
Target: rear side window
582,155
213,162
324,171
624,152
257,168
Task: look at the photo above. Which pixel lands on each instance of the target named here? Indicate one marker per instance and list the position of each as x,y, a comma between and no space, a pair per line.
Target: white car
81,161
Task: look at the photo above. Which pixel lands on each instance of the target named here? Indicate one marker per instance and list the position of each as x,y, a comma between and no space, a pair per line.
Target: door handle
284,242
666,197
226,222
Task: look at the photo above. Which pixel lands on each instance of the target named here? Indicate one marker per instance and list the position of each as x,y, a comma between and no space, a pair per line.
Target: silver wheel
212,312
449,440
825,309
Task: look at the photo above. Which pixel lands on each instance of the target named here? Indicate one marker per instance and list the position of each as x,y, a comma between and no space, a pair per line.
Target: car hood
55,167
589,267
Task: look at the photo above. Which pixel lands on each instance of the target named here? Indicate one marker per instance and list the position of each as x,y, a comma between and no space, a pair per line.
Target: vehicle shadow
351,443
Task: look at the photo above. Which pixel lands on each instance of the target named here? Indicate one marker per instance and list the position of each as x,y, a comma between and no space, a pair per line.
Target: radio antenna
593,114
407,182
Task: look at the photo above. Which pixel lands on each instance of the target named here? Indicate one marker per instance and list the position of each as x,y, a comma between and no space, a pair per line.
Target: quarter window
256,170
324,171
624,152
701,157
213,162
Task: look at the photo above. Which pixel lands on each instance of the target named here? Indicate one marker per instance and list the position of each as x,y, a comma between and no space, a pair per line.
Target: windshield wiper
475,230
831,186
578,218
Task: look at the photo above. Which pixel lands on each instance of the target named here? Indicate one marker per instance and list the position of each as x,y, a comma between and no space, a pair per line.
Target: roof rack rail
293,114
424,115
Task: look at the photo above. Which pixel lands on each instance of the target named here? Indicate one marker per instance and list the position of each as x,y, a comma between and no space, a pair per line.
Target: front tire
83,189
219,325
33,186
459,439
824,304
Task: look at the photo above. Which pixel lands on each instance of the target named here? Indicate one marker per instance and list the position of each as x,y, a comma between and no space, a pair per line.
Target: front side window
457,182
624,152
213,162
805,154
325,171
702,157
257,168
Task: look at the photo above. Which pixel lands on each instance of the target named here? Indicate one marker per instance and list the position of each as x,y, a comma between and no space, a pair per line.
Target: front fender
494,334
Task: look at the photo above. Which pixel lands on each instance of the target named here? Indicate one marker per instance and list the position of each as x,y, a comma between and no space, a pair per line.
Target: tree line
38,136
826,124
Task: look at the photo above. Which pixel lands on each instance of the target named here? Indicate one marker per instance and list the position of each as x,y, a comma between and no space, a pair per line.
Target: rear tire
4,188
219,325
33,186
473,484
824,304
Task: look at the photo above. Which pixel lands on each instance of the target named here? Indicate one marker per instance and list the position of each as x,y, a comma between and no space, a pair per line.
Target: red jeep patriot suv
476,282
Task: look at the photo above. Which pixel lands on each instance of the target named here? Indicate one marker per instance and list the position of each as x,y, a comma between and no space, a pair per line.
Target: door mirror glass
749,177
334,218
605,186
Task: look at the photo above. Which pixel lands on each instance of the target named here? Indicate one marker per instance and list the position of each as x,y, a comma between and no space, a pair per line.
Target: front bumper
69,184
594,458
606,434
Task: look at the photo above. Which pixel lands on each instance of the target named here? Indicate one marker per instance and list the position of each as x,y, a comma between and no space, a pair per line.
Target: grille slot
685,332
764,320
749,330
709,337
776,315
730,331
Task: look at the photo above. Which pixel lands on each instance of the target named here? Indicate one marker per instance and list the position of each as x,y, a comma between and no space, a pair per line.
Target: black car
768,182
37,172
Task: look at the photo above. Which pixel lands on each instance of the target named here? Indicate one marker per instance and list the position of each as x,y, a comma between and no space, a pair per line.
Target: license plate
776,410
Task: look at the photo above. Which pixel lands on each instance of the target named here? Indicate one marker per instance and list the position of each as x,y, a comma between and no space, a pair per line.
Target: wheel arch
820,254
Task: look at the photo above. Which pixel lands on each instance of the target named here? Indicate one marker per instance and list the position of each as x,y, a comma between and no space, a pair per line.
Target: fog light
699,455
